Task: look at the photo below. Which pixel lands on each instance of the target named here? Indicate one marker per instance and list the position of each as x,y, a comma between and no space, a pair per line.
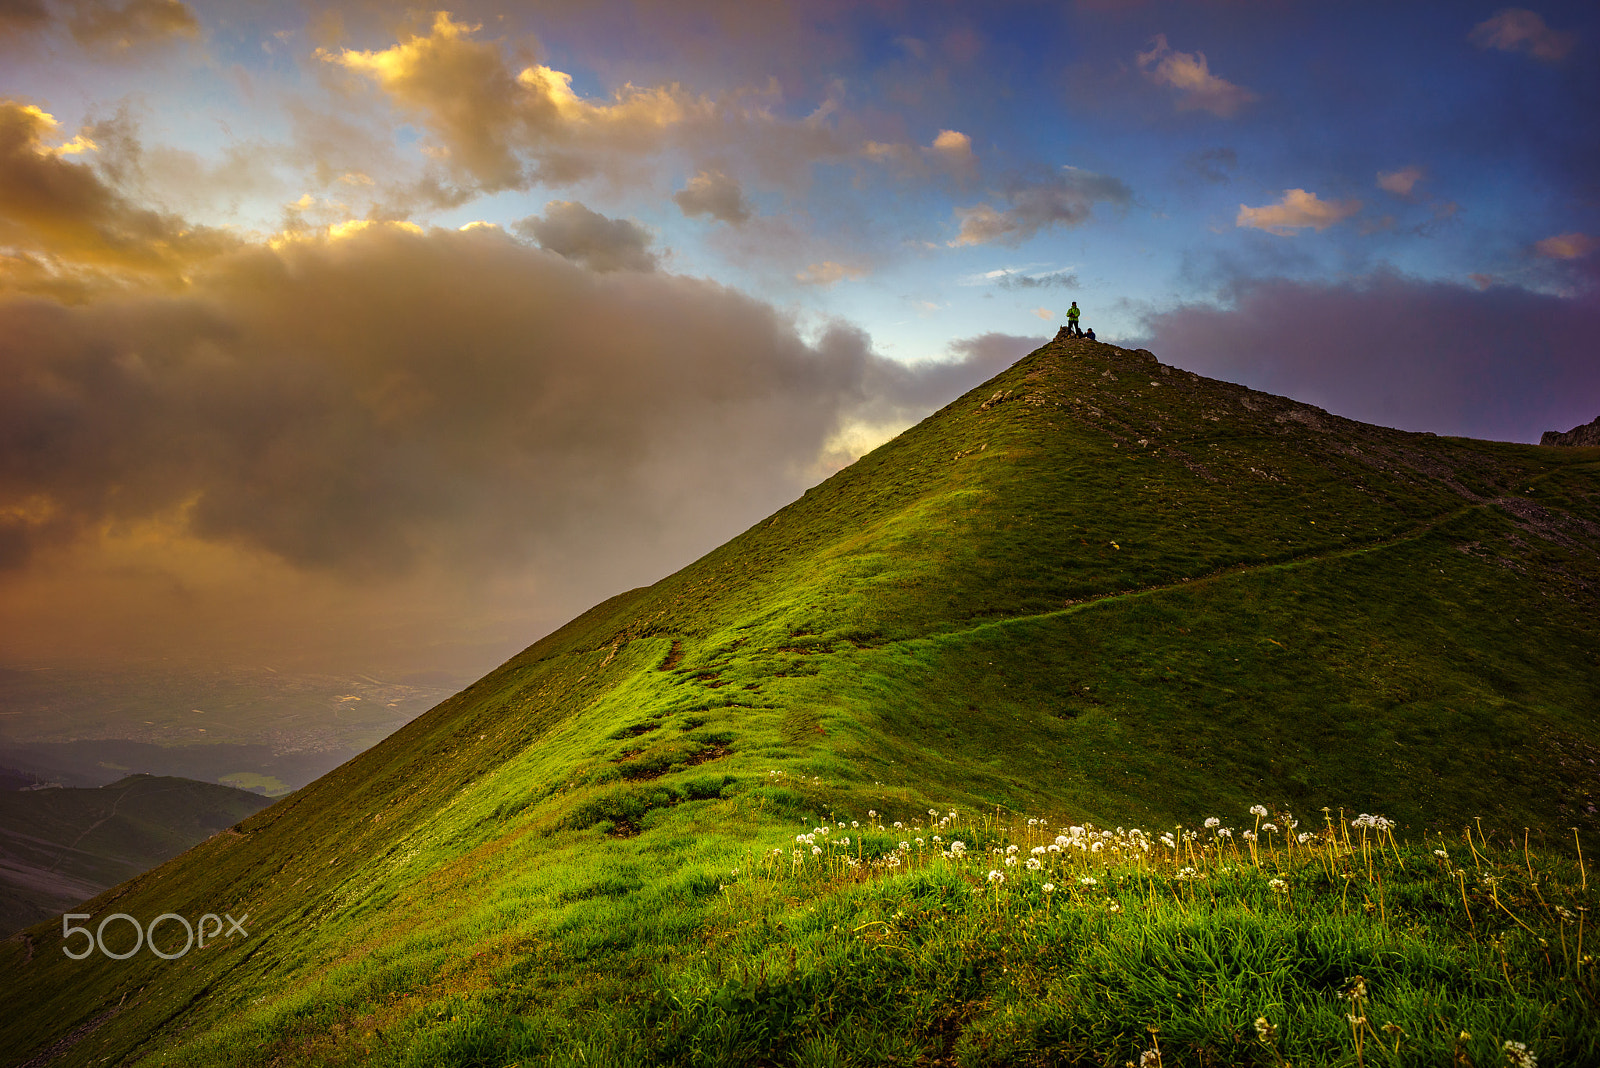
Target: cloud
1516,29
1566,246
1063,199
601,244
1400,182
22,16
495,128
1198,89
828,273
1481,360
952,148
363,409
1297,211
1062,279
62,210
1044,313
716,194
1213,165
486,118
107,28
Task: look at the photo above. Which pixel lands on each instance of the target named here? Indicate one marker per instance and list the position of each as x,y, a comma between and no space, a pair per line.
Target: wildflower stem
1584,875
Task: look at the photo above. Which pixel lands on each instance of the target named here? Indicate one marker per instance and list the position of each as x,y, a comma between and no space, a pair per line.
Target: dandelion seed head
1048,888
1258,811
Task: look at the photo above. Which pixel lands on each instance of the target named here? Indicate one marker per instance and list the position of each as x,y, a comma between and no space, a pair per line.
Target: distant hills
1097,587
61,846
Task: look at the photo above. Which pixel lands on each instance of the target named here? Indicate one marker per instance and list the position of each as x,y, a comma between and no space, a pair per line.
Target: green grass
1013,607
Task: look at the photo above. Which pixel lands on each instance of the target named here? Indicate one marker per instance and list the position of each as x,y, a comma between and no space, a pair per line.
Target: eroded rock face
1578,437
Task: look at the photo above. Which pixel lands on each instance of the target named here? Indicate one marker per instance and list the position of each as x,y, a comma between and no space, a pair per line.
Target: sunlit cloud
1298,210
1567,246
63,210
953,149
828,273
1187,73
486,117
1516,29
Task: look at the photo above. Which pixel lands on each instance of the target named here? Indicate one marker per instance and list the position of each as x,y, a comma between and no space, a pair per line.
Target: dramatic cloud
1198,89
105,27
60,209
587,237
389,402
1063,199
1297,210
715,194
1497,362
1400,182
1567,246
1516,29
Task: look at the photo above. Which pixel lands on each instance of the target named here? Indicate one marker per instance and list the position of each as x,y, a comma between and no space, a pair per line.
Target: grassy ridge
1095,587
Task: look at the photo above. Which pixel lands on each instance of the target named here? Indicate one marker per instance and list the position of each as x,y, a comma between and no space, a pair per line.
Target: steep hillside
59,847
1096,587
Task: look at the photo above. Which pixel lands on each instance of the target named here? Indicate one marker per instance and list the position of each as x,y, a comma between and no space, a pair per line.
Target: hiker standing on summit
1072,320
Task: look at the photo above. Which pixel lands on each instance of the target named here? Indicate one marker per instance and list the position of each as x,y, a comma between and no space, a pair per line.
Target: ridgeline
1096,589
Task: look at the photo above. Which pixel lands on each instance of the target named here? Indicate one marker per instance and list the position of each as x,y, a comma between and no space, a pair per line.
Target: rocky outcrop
1578,437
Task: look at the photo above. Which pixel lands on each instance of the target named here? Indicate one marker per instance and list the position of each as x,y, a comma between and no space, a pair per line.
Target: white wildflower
995,877
1212,823
1259,811
1048,888
1034,864
1517,1053
1088,880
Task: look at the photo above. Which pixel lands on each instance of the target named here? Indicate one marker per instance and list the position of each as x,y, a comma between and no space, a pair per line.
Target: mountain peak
1585,436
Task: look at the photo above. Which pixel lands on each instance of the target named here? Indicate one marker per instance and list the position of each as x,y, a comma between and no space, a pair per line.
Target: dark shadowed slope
1095,586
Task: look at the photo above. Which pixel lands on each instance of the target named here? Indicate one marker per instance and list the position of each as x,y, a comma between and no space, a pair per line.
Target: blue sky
277,228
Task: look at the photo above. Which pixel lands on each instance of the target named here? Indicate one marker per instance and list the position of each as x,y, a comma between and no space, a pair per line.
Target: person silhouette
1072,320
1089,333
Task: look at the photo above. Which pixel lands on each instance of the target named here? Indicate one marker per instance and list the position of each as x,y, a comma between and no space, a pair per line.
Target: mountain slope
1096,586
59,847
